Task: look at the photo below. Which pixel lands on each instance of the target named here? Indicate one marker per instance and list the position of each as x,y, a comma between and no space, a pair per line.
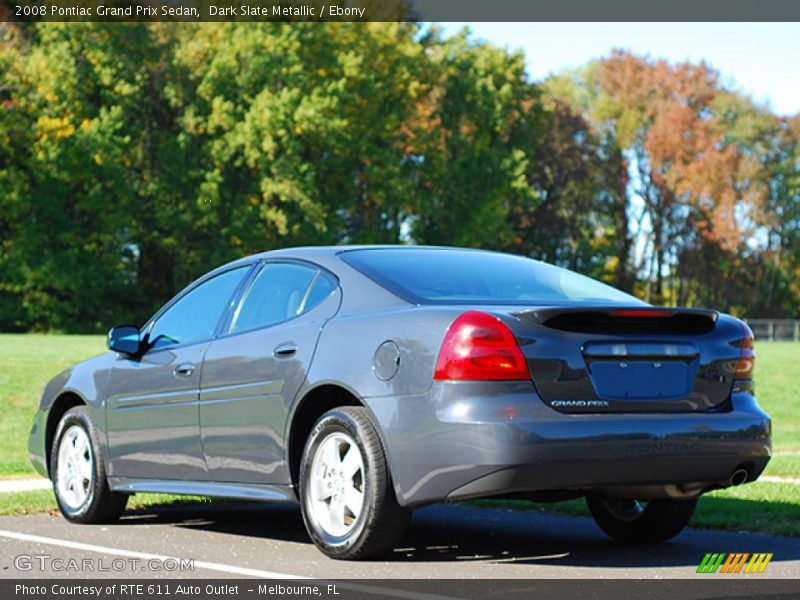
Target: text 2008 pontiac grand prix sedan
362,382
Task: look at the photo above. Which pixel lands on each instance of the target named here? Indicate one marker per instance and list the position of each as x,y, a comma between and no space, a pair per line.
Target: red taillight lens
480,347
747,354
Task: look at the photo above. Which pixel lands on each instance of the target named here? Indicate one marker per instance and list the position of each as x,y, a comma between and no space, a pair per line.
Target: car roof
327,253
334,250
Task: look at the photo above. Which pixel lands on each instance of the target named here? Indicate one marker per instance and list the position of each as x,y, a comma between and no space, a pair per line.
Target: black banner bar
398,10
704,587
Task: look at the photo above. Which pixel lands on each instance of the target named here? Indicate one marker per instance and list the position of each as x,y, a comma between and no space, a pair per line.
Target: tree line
135,157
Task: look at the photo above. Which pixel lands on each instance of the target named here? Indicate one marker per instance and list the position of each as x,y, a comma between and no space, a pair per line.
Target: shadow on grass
458,533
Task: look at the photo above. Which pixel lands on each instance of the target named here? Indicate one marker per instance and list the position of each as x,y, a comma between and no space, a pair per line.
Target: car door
251,375
151,411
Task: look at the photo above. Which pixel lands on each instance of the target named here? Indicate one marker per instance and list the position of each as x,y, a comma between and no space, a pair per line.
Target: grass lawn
777,390
27,362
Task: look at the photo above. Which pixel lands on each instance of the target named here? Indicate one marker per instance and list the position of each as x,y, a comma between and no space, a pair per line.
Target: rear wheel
628,520
78,472
347,497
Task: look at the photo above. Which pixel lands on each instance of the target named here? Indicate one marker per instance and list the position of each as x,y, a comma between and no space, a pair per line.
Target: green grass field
27,362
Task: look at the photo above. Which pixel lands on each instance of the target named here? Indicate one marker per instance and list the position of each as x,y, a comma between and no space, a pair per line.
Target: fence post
796,331
771,331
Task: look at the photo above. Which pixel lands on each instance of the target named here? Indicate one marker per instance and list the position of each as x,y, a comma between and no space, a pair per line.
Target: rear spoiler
622,319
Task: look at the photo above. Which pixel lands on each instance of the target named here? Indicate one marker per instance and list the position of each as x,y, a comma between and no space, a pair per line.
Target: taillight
747,354
480,347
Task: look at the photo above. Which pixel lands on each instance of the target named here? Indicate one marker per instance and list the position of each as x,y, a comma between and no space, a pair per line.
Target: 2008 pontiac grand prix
362,382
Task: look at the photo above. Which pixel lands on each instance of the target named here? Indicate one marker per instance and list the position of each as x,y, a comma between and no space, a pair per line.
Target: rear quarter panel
348,345
346,356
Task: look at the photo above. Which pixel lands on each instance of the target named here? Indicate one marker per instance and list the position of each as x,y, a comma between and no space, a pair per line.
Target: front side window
194,316
281,291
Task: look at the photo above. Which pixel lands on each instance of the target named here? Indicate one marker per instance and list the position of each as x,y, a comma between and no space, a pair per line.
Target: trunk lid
637,359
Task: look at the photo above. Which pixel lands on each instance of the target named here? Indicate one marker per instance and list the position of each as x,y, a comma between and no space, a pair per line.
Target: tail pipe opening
739,476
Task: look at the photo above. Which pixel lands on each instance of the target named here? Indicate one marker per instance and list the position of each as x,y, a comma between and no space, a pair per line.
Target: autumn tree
692,193
135,157
579,185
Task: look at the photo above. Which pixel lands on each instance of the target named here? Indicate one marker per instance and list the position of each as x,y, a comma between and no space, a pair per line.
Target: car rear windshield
447,276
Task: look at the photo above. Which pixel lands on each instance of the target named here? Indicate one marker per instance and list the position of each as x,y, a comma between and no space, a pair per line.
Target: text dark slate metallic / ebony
362,382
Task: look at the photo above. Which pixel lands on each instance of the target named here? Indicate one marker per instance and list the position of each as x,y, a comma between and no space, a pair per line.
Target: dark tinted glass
276,295
195,316
464,276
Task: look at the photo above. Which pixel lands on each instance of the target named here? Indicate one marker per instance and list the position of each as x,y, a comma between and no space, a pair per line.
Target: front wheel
628,520
78,472
347,497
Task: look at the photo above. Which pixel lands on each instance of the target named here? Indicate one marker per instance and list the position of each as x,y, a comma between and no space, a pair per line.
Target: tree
474,138
135,157
691,190
578,188
73,110
606,168
770,163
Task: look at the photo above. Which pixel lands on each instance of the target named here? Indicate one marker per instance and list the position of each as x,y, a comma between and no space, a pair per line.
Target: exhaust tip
739,476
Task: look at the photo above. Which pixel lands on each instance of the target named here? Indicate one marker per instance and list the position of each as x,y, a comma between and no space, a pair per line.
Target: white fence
771,330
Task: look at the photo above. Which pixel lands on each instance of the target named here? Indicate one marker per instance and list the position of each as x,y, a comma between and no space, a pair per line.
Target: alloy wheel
75,471
336,490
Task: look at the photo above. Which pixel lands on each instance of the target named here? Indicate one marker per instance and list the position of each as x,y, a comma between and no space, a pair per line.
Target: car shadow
458,533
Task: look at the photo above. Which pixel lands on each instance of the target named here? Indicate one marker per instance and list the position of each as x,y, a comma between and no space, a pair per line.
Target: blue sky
761,59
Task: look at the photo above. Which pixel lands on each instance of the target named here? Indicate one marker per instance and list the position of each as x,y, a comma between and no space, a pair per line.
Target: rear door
252,374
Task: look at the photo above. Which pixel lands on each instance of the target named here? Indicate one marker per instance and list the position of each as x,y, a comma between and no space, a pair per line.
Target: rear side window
281,291
323,287
450,276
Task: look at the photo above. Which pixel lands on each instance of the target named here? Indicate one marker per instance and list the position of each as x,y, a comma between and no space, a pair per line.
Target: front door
152,404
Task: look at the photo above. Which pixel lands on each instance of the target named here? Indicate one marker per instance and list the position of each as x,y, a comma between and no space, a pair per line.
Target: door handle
284,350
184,370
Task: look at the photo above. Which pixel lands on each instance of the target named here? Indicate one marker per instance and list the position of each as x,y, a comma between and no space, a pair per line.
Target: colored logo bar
734,562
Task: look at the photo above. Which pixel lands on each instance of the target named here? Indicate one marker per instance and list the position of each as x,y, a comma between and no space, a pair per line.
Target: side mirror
125,339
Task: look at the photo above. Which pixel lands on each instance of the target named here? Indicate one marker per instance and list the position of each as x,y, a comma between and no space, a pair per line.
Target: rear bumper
465,440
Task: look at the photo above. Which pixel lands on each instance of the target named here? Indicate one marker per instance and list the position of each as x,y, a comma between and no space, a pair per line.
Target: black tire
630,521
382,522
101,505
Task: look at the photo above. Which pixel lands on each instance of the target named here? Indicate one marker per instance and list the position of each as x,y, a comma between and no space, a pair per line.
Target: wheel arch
314,403
64,402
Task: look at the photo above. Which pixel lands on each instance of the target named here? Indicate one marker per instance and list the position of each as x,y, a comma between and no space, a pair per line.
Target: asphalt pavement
444,541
